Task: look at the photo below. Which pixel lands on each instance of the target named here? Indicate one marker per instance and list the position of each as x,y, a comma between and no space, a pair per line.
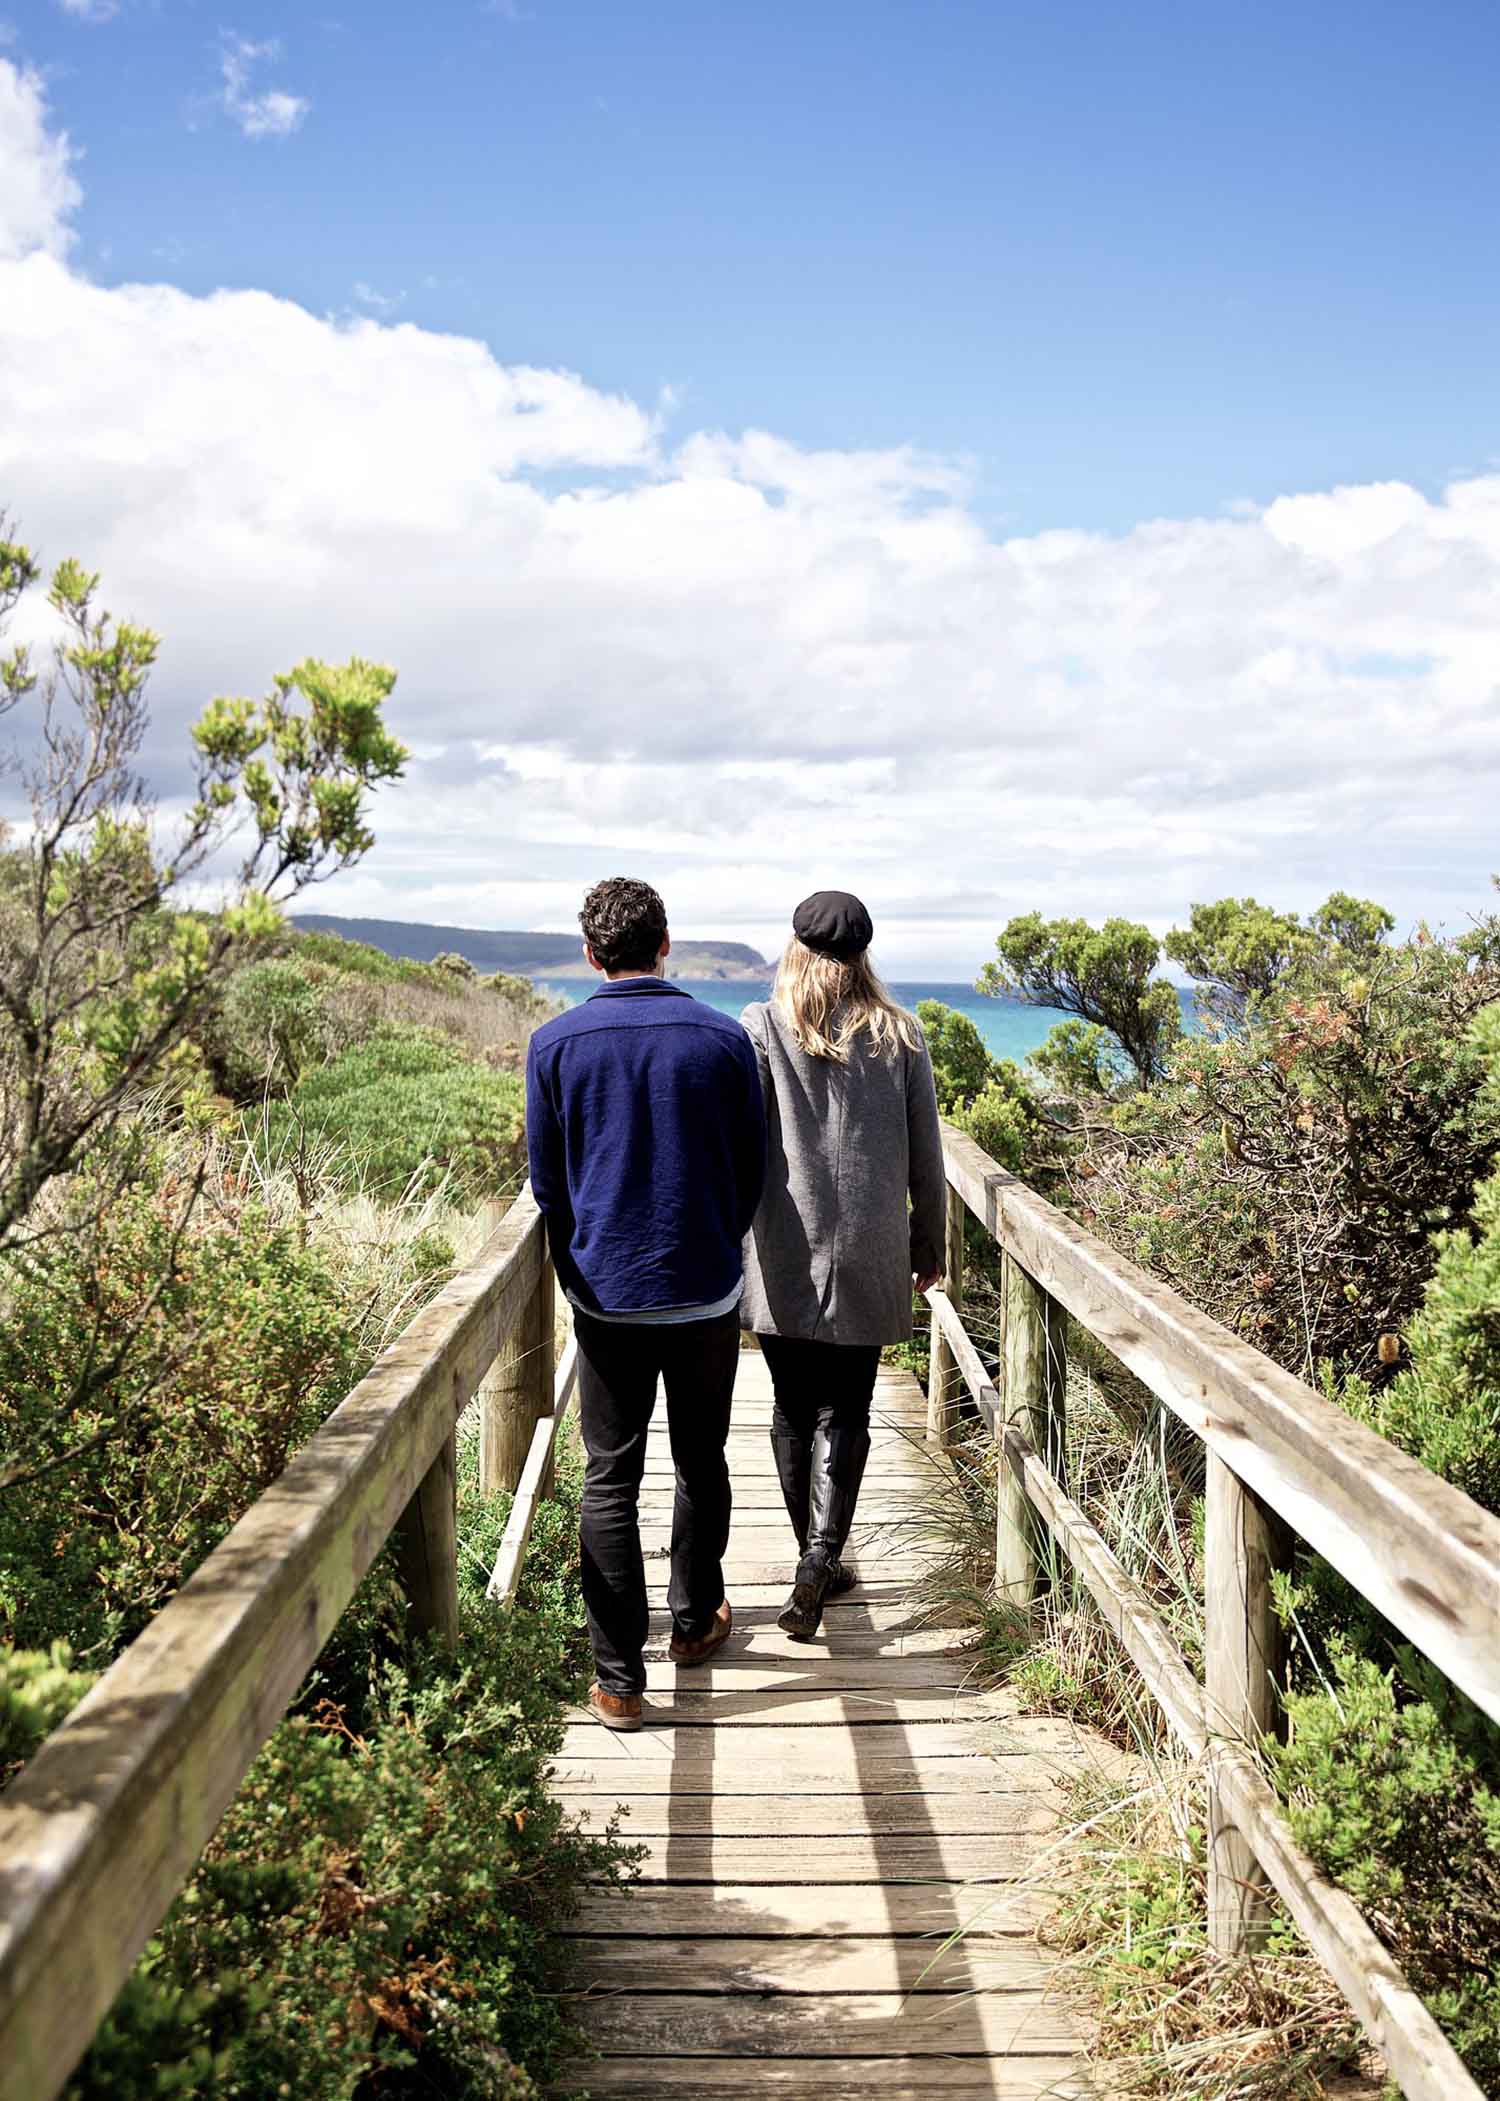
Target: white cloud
270,113
38,189
90,10
745,668
377,302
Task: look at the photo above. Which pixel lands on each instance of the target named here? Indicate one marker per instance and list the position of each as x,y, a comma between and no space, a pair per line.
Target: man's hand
928,1279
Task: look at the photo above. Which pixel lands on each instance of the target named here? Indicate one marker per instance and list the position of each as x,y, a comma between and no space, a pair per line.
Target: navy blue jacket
647,1136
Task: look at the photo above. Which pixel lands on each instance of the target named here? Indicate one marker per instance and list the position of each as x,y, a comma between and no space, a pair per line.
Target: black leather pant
820,1435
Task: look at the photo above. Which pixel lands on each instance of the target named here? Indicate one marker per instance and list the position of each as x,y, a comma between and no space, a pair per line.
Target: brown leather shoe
616,1710
699,1650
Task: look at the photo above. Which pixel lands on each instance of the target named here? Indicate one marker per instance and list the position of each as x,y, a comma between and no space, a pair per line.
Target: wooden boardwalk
819,1819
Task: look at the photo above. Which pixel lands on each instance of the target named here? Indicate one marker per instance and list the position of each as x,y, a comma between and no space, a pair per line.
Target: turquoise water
1009,1029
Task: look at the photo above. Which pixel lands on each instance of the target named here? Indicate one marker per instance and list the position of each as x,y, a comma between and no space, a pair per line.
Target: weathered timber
942,1371
853,1964
1422,1552
506,1574
930,1911
1032,1395
102,1828
1398,2023
1244,1543
1030,2078
518,1392
837,2024
1032,1810
427,1546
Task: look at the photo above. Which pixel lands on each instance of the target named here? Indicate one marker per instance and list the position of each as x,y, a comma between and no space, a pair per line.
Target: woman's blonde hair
826,1003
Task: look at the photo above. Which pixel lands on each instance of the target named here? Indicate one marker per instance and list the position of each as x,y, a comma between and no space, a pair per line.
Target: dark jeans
820,1435
618,1367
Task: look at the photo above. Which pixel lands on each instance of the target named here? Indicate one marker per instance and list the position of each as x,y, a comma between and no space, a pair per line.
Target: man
647,1136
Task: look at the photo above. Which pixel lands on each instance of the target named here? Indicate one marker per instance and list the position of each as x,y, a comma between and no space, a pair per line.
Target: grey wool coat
831,1254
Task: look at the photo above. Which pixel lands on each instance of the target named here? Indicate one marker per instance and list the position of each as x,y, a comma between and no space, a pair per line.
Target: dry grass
1171,2020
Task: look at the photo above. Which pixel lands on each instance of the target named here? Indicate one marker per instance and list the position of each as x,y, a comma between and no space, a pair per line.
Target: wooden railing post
1244,1541
944,1381
1033,1394
427,1547
518,1392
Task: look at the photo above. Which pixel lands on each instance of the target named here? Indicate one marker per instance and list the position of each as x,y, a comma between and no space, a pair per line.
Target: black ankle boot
802,1614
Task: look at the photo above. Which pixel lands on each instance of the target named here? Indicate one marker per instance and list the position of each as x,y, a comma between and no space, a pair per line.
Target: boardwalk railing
105,1824
1281,1460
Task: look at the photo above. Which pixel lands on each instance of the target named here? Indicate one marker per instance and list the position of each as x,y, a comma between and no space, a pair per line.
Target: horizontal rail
1415,2048
104,1825
1413,2045
1423,1553
506,1575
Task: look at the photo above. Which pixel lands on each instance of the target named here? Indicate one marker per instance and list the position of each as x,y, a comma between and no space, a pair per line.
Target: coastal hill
528,954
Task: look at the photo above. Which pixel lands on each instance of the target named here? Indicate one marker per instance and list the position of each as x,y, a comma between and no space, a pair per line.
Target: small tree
1103,975
100,978
1240,951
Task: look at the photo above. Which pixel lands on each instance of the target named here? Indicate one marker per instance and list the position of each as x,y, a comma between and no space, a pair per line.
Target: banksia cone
1389,1347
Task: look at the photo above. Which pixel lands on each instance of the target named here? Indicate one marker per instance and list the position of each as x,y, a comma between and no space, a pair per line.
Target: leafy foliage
407,1110
1101,975
987,1097
1402,1808
99,981
377,1912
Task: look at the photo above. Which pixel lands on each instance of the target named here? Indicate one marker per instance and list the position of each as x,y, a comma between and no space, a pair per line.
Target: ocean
1010,1029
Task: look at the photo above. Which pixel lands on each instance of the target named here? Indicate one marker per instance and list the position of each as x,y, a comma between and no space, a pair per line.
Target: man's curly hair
625,923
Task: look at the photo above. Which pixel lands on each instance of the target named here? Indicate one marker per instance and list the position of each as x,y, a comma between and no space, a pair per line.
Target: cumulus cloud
264,113
745,668
38,188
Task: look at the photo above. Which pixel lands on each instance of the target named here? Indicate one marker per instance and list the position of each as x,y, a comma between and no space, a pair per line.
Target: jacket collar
651,987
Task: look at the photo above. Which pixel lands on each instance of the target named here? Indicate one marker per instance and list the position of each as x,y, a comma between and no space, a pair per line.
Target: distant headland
528,955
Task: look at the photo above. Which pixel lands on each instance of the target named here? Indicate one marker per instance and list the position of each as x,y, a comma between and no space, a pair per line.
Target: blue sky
993,458
1132,260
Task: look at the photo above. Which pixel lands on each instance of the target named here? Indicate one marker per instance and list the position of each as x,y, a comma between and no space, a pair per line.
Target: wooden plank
942,1370
825,1671
821,1753
518,1391
929,1910
993,1814
937,1779
804,1706
1030,2078
1036,1376
1425,1554
102,1828
1001,1962
856,1857
535,1474
1244,1542
837,2025
1398,2023
427,1546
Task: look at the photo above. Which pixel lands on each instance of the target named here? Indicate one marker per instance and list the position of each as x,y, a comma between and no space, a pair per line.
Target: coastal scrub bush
407,1110
1289,1175
377,1913
1397,1798
985,1096
239,1341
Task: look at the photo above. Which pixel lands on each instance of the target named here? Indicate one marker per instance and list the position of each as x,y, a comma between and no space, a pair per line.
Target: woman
853,1130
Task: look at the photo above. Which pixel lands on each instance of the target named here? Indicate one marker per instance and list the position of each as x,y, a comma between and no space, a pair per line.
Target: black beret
833,923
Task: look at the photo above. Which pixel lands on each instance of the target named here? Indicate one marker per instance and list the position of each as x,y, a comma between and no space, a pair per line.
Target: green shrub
408,1111
38,1689
241,1342
378,1911
1398,1799
271,1026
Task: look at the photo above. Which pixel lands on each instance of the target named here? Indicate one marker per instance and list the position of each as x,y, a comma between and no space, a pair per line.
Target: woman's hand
928,1279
